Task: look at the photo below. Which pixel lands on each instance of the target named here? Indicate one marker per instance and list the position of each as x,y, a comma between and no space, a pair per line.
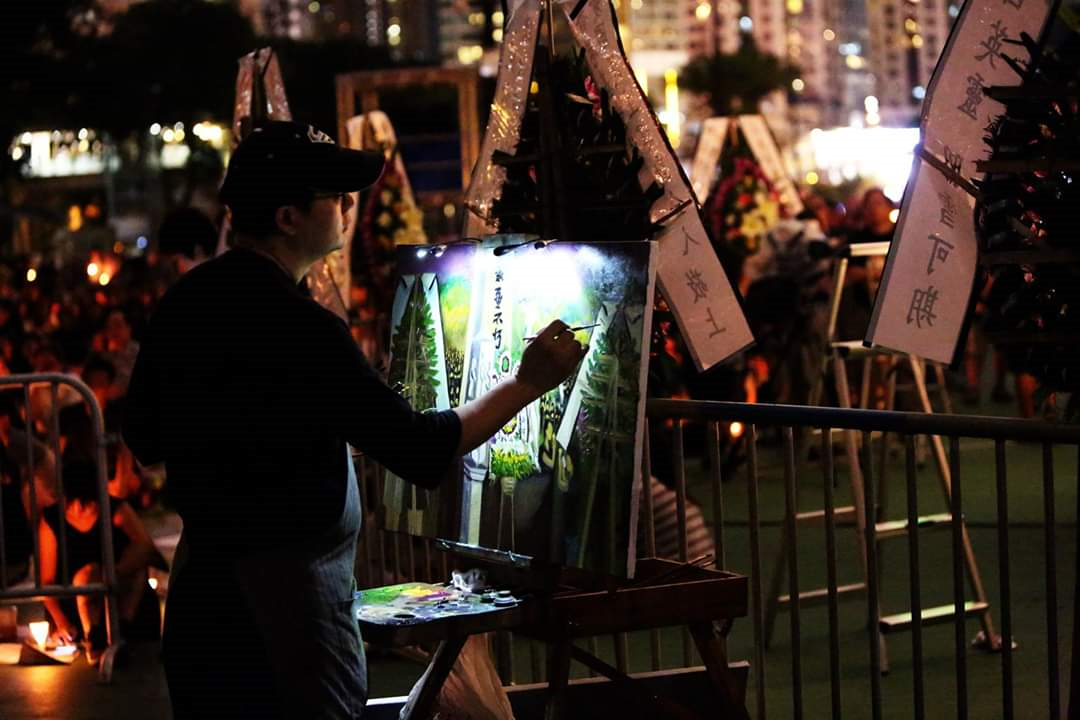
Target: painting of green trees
413,351
609,409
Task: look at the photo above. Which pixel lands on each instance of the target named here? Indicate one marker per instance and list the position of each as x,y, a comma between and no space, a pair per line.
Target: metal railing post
913,570
756,598
791,509
1049,521
830,569
959,629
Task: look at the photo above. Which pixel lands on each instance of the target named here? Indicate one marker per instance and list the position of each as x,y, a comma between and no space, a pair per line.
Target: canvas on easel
560,481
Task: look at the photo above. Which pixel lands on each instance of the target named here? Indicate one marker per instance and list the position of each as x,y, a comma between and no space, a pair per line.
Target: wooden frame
367,84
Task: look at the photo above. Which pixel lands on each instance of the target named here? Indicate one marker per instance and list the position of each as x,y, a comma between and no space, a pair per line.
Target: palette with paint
416,602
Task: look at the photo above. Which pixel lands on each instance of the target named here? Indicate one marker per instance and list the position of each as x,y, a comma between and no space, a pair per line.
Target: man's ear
285,217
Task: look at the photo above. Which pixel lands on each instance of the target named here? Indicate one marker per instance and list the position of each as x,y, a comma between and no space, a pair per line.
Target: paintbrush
572,329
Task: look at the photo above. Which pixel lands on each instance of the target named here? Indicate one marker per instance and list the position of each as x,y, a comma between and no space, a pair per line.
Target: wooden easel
836,354
562,605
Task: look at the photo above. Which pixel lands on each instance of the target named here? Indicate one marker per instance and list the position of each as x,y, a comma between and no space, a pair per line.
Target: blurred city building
447,32
470,32
715,26
906,37
826,39
848,50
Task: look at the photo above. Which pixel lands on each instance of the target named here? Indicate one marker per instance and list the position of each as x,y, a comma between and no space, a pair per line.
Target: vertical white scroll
763,146
930,280
698,291
707,156
955,116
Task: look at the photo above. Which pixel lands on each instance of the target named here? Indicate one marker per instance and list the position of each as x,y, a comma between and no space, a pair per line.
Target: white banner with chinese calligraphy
711,143
929,273
698,292
763,146
918,311
955,110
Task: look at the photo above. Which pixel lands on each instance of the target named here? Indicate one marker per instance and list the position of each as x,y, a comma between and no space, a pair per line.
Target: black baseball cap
280,162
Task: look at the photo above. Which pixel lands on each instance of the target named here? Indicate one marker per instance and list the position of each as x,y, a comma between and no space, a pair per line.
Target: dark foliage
601,196
736,83
1032,210
66,63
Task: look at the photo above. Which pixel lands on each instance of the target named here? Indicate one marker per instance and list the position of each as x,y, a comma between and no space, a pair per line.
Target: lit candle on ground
40,632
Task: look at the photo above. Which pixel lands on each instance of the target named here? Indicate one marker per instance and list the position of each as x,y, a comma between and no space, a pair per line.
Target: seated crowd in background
60,320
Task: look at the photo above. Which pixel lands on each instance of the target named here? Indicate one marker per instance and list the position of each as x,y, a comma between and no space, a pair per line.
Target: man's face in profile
321,230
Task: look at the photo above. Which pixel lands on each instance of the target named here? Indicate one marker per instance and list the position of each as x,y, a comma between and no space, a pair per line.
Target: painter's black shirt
249,391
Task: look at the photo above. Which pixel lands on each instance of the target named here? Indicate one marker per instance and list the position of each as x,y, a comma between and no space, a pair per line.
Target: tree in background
69,63
41,46
736,83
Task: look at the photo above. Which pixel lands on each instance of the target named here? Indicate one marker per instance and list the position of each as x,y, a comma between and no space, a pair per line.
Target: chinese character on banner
922,307
948,210
687,240
992,44
696,284
939,250
716,328
497,316
973,96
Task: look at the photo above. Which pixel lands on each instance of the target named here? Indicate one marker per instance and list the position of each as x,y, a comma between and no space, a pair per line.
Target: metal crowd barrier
386,557
19,593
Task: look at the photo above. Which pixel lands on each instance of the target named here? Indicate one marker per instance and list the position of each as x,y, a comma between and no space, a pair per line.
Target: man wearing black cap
250,392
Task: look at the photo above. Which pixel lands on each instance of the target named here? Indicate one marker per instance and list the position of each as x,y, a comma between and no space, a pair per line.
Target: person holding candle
251,393
132,546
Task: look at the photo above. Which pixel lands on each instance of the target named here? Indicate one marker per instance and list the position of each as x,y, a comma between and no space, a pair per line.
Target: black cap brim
338,169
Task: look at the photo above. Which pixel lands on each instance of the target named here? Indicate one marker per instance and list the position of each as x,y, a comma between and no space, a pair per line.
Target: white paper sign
955,111
713,135
929,271
698,292
921,306
763,146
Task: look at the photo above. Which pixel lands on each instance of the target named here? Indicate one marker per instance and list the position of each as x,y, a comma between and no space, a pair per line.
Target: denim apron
268,635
